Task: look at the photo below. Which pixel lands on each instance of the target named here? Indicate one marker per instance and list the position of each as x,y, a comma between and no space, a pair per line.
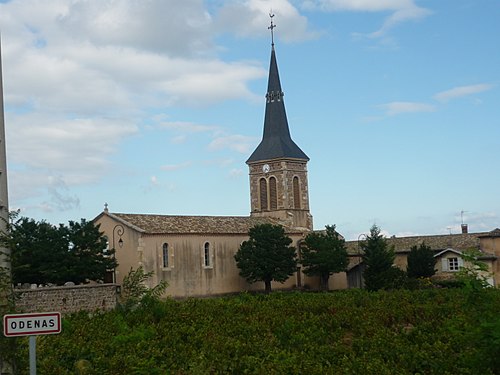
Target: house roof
174,224
447,251
276,141
494,233
435,242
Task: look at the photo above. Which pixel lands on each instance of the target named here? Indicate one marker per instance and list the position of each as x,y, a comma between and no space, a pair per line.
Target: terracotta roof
161,224
436,242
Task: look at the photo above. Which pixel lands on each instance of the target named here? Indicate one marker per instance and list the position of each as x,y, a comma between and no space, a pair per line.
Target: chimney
465,229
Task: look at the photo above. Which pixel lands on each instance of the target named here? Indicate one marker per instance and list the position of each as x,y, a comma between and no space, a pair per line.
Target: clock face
266,168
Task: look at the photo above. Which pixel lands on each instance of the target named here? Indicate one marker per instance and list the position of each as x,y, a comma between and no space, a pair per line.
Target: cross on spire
271,15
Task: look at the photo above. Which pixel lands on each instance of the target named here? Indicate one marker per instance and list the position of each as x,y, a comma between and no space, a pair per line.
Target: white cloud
188,127
80,76
76,148
359,5
402,10
238,143
155,184
250,18
179,27
461,91
396,108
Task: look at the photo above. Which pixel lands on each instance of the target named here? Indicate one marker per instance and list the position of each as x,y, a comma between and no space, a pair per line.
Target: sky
153,106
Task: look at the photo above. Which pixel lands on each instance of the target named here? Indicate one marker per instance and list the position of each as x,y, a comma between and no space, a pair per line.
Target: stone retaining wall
67,299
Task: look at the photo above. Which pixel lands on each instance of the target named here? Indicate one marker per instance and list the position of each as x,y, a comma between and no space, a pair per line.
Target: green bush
431,331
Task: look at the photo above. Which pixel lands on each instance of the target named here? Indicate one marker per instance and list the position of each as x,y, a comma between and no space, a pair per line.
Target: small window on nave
206,255
165,255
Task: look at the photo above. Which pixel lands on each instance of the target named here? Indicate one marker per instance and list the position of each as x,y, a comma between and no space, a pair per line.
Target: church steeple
276,141
278,167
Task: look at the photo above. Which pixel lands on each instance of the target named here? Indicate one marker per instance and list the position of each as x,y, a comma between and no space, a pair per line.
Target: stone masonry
67,299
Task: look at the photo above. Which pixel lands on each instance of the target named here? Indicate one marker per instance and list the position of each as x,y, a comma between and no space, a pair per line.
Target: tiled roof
493,233
436,242
171,224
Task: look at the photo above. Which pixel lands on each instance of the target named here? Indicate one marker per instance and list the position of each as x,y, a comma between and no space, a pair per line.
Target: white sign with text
32,324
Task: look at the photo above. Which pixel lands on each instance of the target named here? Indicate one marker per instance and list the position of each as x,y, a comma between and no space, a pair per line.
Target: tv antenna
462,215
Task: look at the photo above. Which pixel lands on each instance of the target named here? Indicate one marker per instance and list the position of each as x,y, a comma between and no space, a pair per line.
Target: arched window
296,193
165,255
206,255
273,196
263,194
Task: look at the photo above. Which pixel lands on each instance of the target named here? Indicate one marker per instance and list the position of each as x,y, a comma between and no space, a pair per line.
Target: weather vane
271,15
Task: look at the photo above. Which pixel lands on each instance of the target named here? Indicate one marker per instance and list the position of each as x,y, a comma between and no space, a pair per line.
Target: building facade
448,250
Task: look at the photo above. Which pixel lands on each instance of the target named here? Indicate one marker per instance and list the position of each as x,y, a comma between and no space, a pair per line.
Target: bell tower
278,167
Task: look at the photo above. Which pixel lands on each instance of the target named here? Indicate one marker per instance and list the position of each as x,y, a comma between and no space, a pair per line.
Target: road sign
32,324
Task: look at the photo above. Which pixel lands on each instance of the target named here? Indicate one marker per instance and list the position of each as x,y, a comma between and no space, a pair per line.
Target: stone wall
67,299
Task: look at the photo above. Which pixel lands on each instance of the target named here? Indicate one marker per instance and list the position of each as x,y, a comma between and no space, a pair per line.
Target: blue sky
154,106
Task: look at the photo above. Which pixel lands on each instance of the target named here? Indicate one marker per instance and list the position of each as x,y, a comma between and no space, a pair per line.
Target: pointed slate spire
276,141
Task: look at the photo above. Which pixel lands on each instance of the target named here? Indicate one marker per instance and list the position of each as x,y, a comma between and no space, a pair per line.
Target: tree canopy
324,254
267,255
421,262
42,253
378,258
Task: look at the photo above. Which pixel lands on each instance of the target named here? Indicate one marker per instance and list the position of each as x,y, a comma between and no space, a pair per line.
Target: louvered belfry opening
273,195
296,193
263,194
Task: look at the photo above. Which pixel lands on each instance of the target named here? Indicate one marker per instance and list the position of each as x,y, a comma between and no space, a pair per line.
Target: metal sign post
32,355
32,325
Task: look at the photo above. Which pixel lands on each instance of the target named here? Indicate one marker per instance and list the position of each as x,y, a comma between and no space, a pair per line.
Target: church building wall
187,273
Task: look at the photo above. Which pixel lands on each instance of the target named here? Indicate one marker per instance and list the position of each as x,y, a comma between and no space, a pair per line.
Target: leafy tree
421,262
474,274
267,256
9,353
42,253
324,254
135,292
379,258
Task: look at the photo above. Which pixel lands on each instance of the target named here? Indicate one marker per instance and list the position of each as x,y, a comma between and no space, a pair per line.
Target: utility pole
4,197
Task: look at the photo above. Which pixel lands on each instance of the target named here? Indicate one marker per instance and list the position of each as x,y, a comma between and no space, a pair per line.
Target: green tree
9,353
378,258
421,262
324,254
135,292
474,274
42,253
267,255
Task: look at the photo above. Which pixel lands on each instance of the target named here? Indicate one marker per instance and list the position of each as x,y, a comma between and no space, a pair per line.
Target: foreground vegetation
435,331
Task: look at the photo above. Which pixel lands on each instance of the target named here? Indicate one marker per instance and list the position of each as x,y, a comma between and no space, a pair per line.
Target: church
195,254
